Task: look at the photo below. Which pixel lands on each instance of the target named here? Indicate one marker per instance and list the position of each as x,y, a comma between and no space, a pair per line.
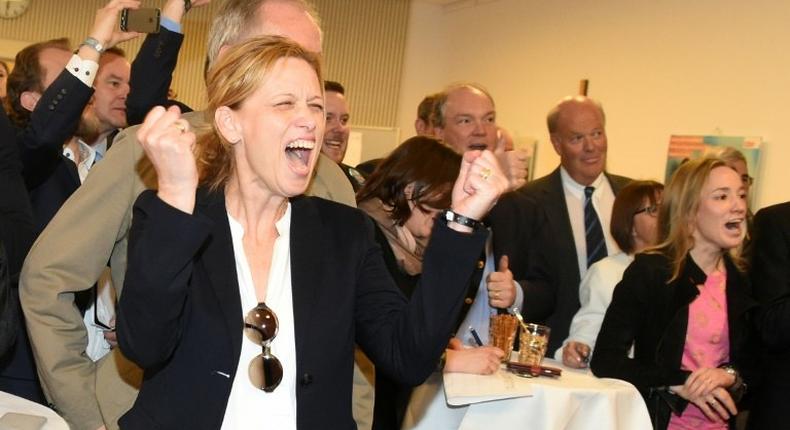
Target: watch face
13,8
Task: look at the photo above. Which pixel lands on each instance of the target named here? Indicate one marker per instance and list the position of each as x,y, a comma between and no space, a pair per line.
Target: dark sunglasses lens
266,372
260,324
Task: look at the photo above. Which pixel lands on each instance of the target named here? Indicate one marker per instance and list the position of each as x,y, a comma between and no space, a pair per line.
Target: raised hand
501,288
575,354
106,28
479,185
174,10
512,161
483,360
169,145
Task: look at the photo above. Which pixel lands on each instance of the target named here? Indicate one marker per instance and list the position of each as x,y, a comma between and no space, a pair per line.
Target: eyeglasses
260,326
746,179
651,210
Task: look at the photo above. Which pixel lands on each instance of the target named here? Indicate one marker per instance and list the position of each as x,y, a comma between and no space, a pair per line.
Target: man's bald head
239,20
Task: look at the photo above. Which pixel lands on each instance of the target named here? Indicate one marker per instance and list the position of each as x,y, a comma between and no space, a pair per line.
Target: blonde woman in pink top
685,306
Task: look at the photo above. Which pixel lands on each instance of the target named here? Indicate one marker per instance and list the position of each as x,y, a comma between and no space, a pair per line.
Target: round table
12,403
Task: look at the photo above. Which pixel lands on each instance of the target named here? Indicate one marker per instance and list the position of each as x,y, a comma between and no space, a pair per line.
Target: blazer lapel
307,245
557,216
220,264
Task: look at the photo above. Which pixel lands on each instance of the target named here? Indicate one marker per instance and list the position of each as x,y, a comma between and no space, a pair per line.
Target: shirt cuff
519,298
84,70
170,25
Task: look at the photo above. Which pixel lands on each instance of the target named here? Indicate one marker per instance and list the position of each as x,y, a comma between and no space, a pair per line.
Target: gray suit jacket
89,232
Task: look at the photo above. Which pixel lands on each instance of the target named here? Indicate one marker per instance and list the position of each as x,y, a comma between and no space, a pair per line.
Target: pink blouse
707,344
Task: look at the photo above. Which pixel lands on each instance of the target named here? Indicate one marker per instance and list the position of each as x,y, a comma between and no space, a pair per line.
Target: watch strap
93,43
451,216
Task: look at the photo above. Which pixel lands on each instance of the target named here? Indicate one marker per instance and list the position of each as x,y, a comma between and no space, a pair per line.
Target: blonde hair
238,74
236,18
679,209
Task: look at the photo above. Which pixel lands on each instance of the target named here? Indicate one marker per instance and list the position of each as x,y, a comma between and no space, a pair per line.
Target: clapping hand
169,145
479,185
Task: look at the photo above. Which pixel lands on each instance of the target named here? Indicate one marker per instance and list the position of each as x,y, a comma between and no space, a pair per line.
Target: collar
576,189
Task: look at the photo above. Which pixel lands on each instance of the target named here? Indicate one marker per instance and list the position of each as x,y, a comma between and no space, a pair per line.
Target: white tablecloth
12,403
575,401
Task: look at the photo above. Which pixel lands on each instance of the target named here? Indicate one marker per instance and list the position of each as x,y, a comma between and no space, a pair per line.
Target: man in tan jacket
91,231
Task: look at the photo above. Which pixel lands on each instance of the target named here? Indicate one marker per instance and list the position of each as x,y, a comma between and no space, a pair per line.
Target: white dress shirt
248,406
602,199
595,294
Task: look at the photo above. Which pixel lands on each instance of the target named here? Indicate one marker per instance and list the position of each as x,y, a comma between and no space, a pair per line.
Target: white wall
660,68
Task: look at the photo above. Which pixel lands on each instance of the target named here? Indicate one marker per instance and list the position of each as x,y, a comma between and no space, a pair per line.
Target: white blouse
249,407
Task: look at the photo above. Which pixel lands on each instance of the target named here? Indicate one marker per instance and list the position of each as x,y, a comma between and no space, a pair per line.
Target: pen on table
476,336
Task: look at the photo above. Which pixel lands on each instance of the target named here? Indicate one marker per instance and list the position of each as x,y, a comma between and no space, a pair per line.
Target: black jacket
653,316
180,315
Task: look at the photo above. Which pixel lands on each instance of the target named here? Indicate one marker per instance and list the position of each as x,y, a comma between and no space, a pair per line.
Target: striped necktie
596,244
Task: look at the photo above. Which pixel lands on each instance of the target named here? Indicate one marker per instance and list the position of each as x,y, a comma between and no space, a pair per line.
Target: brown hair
230,82
26,76
628,201
681,203
423,162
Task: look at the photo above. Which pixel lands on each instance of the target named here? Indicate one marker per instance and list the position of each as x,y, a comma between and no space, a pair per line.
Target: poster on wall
530,146
686,147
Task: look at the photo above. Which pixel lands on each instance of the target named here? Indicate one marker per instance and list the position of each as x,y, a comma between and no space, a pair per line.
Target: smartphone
140,20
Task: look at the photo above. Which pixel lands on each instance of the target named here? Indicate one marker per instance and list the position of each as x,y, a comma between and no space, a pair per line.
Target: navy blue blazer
51,177
180,315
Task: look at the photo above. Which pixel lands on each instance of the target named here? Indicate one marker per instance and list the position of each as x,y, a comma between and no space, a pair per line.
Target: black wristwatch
451,216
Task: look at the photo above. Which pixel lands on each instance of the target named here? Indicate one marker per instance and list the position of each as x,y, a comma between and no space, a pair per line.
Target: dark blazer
770,275
180,316
532,227
51,177
16,232
16,216
653,316
152,74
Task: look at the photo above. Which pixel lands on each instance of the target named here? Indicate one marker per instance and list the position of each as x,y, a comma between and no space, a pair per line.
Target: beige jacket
90,230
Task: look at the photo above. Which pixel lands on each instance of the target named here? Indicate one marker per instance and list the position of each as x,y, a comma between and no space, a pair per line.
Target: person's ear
227,124
29,99
438,133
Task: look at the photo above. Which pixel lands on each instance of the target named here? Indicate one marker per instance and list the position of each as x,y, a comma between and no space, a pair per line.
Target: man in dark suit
16,232
543,226
770,275
338,131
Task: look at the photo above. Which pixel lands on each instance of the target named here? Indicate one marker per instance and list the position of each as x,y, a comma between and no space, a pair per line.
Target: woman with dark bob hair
685,306
243,299
634,227
404,196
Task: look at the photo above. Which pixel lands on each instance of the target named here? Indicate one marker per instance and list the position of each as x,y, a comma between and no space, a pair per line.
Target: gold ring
180,126
485,173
